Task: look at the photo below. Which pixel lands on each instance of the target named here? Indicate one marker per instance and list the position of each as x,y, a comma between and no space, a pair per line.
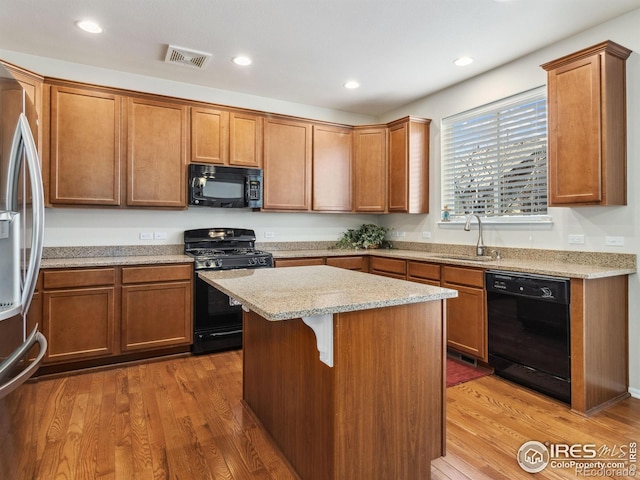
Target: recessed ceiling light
89,26
463,61
351,84
241,60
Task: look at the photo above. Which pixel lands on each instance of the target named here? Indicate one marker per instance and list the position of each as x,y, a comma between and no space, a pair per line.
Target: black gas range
217,321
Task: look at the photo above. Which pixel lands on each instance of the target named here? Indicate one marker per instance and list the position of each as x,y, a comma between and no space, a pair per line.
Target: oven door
217,323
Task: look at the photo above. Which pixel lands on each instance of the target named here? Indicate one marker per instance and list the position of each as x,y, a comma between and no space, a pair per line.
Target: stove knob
207,263
218,262
252,261
262,261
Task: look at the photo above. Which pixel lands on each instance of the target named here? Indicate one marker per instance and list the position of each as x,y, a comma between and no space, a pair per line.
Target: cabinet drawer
425,271
161,273
391,265
78,277
298,262
463,276
350,263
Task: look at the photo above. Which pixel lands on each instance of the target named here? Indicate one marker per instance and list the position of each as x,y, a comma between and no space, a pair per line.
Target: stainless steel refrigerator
21,237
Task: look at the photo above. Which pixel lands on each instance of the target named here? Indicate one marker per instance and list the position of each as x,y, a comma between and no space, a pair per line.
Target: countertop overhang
297,292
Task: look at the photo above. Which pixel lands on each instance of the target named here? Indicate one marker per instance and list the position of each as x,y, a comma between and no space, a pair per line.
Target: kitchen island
345,370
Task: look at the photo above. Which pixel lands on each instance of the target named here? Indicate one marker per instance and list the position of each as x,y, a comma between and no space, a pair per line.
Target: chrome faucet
480,245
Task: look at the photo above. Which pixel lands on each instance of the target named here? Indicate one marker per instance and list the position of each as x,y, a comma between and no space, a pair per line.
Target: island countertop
295,292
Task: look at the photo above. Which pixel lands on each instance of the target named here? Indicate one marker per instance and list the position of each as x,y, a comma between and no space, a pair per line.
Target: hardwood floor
183,419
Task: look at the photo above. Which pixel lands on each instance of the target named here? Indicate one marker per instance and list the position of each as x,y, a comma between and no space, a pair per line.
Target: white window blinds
494,158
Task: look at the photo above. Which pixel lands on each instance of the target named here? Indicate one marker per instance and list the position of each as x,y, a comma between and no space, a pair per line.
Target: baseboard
635,392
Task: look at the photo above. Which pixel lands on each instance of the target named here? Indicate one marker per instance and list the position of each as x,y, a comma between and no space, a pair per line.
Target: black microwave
226,187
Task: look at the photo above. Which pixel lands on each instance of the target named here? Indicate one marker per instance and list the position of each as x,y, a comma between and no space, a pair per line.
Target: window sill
542,221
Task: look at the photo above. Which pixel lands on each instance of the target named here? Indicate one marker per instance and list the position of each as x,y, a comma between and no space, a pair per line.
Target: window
494,158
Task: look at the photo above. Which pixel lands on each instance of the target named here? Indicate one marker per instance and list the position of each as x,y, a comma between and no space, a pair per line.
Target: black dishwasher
529,331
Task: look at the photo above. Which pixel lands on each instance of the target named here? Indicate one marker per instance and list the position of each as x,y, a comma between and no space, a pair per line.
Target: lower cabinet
466,314
78,313
299,262
156,307
423,272
90,314
358,263
388,267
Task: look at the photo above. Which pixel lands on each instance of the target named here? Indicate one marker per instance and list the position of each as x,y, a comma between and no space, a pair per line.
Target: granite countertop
78,262
293,292
555,266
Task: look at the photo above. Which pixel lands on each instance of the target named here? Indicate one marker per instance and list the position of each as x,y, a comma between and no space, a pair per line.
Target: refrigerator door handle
7,366
23,141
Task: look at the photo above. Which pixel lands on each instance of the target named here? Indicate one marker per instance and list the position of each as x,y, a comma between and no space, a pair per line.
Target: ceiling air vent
186,56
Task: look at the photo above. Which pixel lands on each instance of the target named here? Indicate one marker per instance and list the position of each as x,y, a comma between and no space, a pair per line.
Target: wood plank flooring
183,419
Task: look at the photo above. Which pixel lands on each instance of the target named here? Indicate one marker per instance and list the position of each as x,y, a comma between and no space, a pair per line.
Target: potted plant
367,236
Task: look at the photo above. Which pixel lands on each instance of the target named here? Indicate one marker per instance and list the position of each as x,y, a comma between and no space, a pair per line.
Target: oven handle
222,334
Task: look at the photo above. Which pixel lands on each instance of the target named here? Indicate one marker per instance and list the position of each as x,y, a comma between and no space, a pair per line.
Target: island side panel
291,392
389,391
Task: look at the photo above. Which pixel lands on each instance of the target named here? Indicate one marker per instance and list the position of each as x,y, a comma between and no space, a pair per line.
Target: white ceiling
304,50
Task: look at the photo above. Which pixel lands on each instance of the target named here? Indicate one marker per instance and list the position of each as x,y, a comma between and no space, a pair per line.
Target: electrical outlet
614,241
398,233
269,234
146,236
160,235
576,239
426,234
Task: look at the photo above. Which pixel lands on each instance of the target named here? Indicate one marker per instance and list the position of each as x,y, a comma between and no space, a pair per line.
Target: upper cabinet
332,163
156,153
409,165
226,137
370,169
103,144
85,152
587,127
287,164
209,135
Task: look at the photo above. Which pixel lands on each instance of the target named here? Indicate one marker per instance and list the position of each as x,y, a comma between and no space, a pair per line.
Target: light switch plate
576,239
614,241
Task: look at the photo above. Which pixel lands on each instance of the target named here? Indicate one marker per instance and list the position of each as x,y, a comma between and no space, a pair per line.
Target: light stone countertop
293,292
559,267
79,262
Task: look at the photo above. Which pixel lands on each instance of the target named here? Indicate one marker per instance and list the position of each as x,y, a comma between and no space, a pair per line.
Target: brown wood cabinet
85,155
587,127
388,267
245,139
209,135
358,263
78,313
156,153
370,169
226,137
156,307
423,272
332,164
408,175
287,164
466,314
299,262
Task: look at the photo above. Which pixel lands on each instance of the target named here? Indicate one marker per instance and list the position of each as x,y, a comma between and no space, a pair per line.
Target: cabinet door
79,323
85,147
409,166
156,153
287,165
156,315
466,321
298,262
245,140
332,153
209,135
587,126
370,169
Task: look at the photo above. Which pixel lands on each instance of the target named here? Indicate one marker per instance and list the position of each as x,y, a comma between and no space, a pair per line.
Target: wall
593,222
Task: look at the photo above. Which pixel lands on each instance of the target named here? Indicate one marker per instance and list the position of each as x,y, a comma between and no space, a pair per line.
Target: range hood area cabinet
587,127
103,143
226,137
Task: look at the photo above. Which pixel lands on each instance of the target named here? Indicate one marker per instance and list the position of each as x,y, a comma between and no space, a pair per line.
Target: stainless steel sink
466,258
